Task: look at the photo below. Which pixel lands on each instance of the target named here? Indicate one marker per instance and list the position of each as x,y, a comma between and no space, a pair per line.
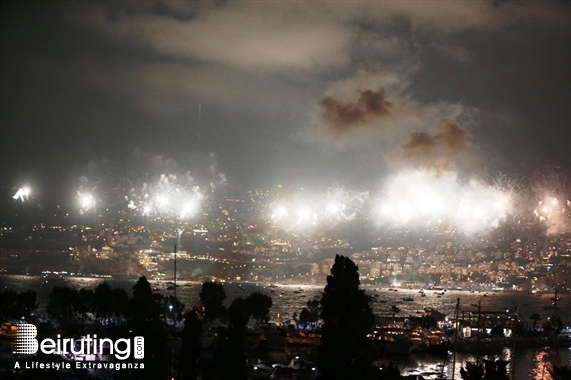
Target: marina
409,353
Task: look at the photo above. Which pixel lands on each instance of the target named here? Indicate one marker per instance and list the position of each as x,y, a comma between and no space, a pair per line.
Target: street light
179,231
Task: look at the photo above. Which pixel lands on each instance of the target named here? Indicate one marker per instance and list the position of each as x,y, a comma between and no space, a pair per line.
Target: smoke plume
438,151
340,117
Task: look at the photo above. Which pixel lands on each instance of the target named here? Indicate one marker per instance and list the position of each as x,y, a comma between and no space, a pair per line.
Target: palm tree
395,310
535,318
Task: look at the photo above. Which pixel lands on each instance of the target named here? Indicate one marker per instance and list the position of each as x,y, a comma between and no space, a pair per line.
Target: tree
535,318
144,306
145,320
497,331
347,319
395,310
314,308
86,302
304,317
173,307
8,306
190,350
553,325
259,305
212,297
230,357
119,302
17,305
63,303
26,302
296,319
101,300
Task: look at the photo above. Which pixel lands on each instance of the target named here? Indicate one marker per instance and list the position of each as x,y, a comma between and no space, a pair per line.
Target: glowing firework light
86,202
22,194
419,198
549,198
317,210
167,197
554,214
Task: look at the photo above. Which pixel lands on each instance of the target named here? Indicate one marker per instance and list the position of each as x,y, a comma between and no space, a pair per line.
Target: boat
7,330
303,337
392,340
399,344
438,343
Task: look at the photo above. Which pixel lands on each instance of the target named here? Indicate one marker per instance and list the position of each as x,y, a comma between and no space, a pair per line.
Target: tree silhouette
63,303
553,325
535,318
101,300
173,307
239,313
314,309
144,306
8,306
259,305
145,320
86,302
347,319
497,331
304,317
230,357
17,305
190,350
395,310
119,302
212,297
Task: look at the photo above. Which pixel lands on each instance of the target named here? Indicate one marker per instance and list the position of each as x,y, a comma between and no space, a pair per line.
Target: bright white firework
167,198
554,214
22,194
316,210
86,202
420,199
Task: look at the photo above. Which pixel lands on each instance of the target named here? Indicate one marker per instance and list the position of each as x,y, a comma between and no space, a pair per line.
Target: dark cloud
82,82
341,117
438,151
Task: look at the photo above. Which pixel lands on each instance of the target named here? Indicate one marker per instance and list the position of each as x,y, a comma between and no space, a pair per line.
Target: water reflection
528,363
541,365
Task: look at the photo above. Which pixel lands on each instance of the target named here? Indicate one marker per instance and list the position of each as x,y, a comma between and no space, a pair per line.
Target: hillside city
234,239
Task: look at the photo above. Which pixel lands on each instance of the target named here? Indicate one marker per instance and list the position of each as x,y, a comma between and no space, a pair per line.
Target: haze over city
314,190
366,96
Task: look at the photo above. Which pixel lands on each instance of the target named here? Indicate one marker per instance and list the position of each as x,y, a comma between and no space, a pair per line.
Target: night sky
261,94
